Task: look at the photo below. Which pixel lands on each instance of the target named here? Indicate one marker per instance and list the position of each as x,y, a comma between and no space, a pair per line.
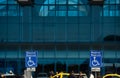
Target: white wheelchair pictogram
95,62
30,62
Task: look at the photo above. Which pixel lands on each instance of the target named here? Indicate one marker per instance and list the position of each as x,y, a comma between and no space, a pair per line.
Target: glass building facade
62,31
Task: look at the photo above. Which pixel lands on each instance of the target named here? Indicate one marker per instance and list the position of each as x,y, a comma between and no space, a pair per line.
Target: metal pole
95,74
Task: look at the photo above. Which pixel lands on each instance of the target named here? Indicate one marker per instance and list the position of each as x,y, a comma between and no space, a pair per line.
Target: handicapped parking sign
31,59
95,59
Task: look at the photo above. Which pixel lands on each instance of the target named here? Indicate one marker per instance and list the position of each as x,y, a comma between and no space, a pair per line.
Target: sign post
95,61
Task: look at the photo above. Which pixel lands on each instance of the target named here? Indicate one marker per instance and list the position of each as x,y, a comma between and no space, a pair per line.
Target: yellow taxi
60,75
111,76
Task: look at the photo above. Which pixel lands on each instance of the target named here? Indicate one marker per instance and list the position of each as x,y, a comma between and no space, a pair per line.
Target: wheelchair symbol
30,62
95,62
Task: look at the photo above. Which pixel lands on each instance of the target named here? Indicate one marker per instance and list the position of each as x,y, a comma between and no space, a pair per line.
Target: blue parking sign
31,59
95,59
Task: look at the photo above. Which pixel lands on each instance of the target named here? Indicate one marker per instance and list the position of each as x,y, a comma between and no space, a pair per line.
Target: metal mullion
115,39
67,5
109,8
19,52
55,9
102,36
60,4
6,50
7,19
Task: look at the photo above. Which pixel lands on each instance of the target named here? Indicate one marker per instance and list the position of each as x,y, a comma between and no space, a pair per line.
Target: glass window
52,1
84,54
111,10
2,54
72,32
72,54
61,1
61,54
11,10
43,11
118,54
3,1
60,32
8,1
72,1
40,54
112,1
49,32
39,1
49,54
109,54
3,31
71,8
12,1
83,35
117,1
61,13
11,54
13,32
52,13
38,32
108,29
3,11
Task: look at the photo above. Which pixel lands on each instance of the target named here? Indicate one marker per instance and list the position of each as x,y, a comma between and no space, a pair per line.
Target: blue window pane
2,54
60,10
112,13
39,1
111,10
61,1
107,2
82,13
12,1
72,1
43,11
117,13
72,13
82,10
61,13
3,1
52,13
73,8
12,10
8,1
3,11
113,2
106,13
51,2
117,1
